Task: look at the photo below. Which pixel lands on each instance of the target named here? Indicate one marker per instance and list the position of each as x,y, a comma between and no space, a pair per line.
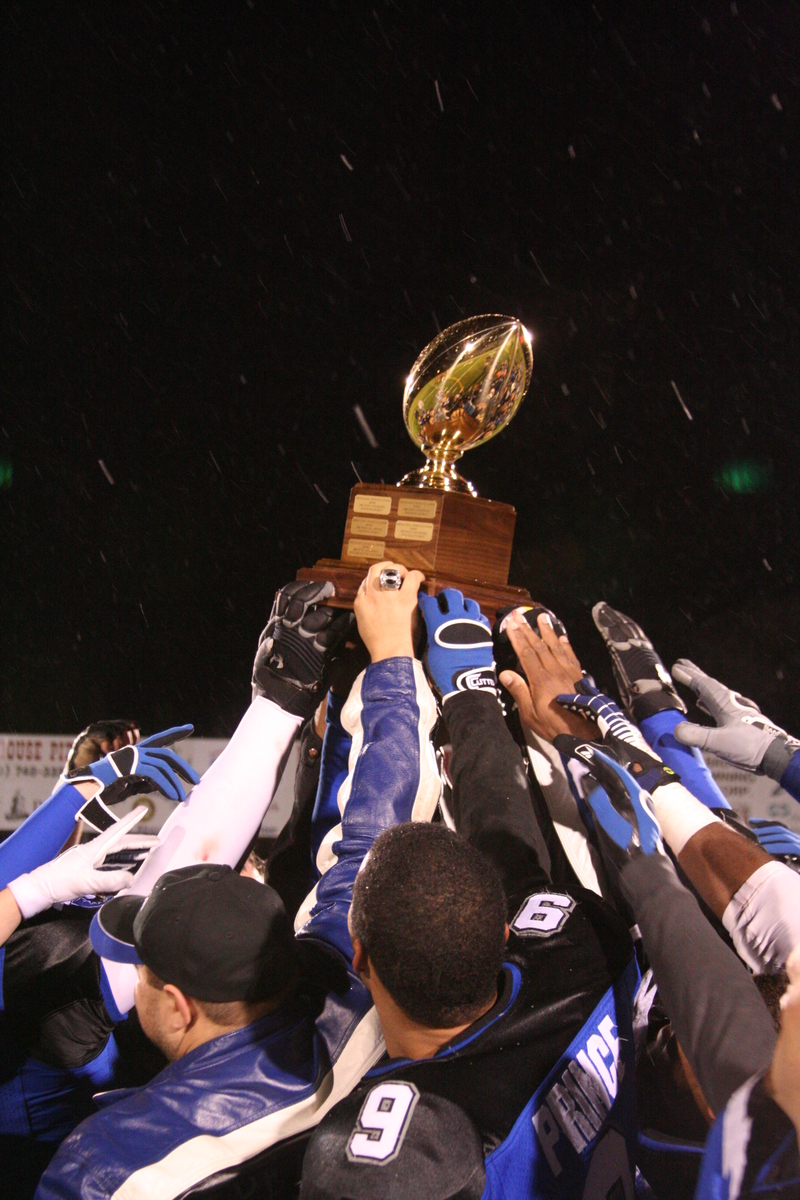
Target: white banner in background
754,795
30,764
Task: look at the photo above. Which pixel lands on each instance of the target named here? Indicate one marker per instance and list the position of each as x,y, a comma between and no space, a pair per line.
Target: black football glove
293,649
88,745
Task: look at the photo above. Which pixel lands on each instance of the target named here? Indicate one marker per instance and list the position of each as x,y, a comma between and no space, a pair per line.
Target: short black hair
430,911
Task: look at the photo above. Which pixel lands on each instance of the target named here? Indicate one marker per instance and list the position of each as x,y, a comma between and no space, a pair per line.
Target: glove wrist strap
469,696
649,703
96,814
288,696
655,777
777,759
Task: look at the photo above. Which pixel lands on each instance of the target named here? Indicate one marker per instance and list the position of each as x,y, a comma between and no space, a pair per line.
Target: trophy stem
439,474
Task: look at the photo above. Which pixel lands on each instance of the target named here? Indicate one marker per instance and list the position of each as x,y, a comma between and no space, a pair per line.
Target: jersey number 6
542,914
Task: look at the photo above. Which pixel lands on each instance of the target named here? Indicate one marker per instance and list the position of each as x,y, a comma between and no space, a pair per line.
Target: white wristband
680,815
30,898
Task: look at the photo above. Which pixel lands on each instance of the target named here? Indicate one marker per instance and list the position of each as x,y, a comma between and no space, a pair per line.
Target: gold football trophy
463,389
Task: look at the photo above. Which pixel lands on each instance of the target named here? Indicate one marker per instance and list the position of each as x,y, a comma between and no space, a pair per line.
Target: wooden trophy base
457,540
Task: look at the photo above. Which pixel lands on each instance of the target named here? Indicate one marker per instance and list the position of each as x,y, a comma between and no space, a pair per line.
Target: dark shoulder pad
393,1141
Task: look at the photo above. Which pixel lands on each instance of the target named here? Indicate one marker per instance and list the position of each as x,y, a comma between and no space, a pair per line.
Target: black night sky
225,225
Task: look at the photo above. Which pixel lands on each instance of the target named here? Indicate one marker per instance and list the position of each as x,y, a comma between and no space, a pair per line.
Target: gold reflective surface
464,388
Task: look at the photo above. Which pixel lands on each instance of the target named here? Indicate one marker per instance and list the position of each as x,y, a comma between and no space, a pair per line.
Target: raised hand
505,656
149,766
623,811
777,840
611,720
743,736
98,739
620,735
460,654
551,669
644,682
294,647
76,873
386,615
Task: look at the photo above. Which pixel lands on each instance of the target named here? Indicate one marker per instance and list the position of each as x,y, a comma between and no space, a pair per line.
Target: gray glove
744,737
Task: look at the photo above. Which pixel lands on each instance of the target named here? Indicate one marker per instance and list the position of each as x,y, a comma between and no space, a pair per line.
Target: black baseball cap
423,1147
204,928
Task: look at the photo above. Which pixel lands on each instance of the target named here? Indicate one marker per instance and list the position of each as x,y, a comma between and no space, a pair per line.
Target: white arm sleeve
680,815
222,815
763,918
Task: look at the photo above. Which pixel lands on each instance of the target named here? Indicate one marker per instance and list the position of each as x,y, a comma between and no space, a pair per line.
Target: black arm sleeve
491,802
54,1008
719,1018
289,862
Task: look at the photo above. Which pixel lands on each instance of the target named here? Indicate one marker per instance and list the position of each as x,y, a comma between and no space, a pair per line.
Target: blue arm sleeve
332,774
790,779
384,785
687,761
41,835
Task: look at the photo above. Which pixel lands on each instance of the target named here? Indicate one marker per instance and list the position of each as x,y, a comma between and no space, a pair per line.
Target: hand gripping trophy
463,389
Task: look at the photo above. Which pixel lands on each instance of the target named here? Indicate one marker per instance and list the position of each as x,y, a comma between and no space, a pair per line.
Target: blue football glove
459,655
149,766
621,736
776,839
624,820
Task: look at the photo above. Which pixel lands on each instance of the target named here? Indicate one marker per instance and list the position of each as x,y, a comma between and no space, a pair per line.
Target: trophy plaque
463,389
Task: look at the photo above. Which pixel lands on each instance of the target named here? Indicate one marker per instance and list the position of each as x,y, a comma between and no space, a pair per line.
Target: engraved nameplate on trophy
462,390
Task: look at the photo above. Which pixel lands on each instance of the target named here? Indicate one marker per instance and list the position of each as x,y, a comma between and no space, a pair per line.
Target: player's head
214,951
429,911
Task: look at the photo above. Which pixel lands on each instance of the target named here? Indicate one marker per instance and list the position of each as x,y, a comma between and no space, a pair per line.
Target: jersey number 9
382,1123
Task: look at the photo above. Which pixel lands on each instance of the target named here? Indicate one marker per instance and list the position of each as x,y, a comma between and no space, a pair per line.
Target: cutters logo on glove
476,680
461,634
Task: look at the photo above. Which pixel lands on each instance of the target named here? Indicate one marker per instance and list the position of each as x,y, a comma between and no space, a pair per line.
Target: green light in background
744,477
6,473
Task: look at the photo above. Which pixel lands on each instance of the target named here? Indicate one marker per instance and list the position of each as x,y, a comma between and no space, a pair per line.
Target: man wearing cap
264,1031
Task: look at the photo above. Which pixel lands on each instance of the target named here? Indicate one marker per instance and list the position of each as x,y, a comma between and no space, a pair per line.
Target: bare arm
10,916
717,860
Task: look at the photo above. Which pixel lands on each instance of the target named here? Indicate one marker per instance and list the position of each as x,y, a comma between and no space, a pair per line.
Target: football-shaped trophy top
463,389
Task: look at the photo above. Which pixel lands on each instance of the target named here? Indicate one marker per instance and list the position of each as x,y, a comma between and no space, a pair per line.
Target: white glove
743,737
75,873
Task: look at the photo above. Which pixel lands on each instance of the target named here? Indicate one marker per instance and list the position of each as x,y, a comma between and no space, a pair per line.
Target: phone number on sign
15,771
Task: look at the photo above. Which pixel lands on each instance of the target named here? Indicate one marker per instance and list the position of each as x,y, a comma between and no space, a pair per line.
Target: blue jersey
548,1074
751,1150
790,779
